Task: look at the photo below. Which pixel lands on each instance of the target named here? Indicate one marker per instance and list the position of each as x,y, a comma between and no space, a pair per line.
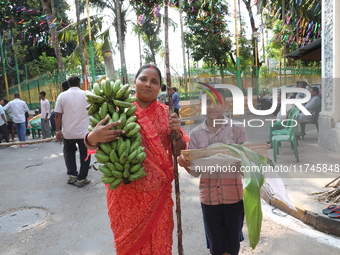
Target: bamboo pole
173,135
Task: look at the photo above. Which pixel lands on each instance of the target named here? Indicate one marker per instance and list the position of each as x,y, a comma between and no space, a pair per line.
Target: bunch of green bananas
121,159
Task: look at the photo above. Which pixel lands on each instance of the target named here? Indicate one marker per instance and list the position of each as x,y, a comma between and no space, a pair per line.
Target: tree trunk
183,48
255,45
108,60
121,42
48,9
80,39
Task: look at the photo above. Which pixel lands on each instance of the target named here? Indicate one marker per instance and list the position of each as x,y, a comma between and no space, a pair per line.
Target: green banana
127,94
108,89
92,98
127,165
116,87
129,126
114,145
122,119
140,174
119,167
140,149
106,171
126,173
130,99
135,168
122,148
139,158
110,166
108,180
114,185
97,116
103,110
105,147
101,158
117,173
128,145
92,108
131,119
111,108
122,103
119,143
131,110
122,90
90,128
133,131
113,156
135,143
115,116
132,155
93,120
123,157
96,89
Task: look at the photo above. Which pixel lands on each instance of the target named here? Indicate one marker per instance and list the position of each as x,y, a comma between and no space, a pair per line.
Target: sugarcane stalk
173,134
332,181
28,142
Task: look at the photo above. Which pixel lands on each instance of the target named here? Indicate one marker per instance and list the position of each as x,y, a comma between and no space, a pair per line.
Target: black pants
52,121
3,133
70,148
223,227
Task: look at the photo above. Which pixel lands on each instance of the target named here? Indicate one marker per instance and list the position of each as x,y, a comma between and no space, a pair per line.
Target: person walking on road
45,114
175,100
9,117
3,123
19,109
71,112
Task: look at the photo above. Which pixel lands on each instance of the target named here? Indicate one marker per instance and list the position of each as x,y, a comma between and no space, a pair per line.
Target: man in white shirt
45,115
3,123
71,112
19,109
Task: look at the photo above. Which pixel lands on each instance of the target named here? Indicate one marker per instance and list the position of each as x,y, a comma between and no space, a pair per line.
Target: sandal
331,209
334,215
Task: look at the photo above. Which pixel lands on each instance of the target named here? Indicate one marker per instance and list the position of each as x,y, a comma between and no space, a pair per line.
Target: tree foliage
207,36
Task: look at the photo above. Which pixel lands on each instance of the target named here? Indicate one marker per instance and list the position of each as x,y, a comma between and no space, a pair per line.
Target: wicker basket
259,148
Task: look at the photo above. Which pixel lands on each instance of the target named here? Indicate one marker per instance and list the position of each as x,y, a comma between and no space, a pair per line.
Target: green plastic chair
290,137
288,123
315,121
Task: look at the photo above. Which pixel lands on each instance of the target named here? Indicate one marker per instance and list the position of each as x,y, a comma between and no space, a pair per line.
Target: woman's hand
103,133
175,124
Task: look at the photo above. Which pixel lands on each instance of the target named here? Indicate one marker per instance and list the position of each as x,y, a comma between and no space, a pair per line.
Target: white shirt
2,112
45,108
19,108
75,120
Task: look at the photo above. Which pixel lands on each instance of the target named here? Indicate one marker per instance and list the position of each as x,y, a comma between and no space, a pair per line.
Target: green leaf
253,180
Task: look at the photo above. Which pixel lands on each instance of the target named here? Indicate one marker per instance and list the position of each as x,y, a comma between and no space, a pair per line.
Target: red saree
141,212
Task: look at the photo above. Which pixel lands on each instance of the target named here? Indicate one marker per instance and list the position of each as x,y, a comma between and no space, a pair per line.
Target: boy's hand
183,162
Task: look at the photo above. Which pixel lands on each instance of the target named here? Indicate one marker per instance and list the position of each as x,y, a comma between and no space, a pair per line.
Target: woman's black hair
146,66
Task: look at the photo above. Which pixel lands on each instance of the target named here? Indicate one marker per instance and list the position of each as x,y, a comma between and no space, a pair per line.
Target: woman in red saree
141,212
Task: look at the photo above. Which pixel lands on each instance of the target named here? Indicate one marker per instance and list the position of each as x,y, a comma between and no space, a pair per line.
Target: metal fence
269,77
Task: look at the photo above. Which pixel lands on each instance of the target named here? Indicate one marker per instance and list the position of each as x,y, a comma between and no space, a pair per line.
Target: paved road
35,176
